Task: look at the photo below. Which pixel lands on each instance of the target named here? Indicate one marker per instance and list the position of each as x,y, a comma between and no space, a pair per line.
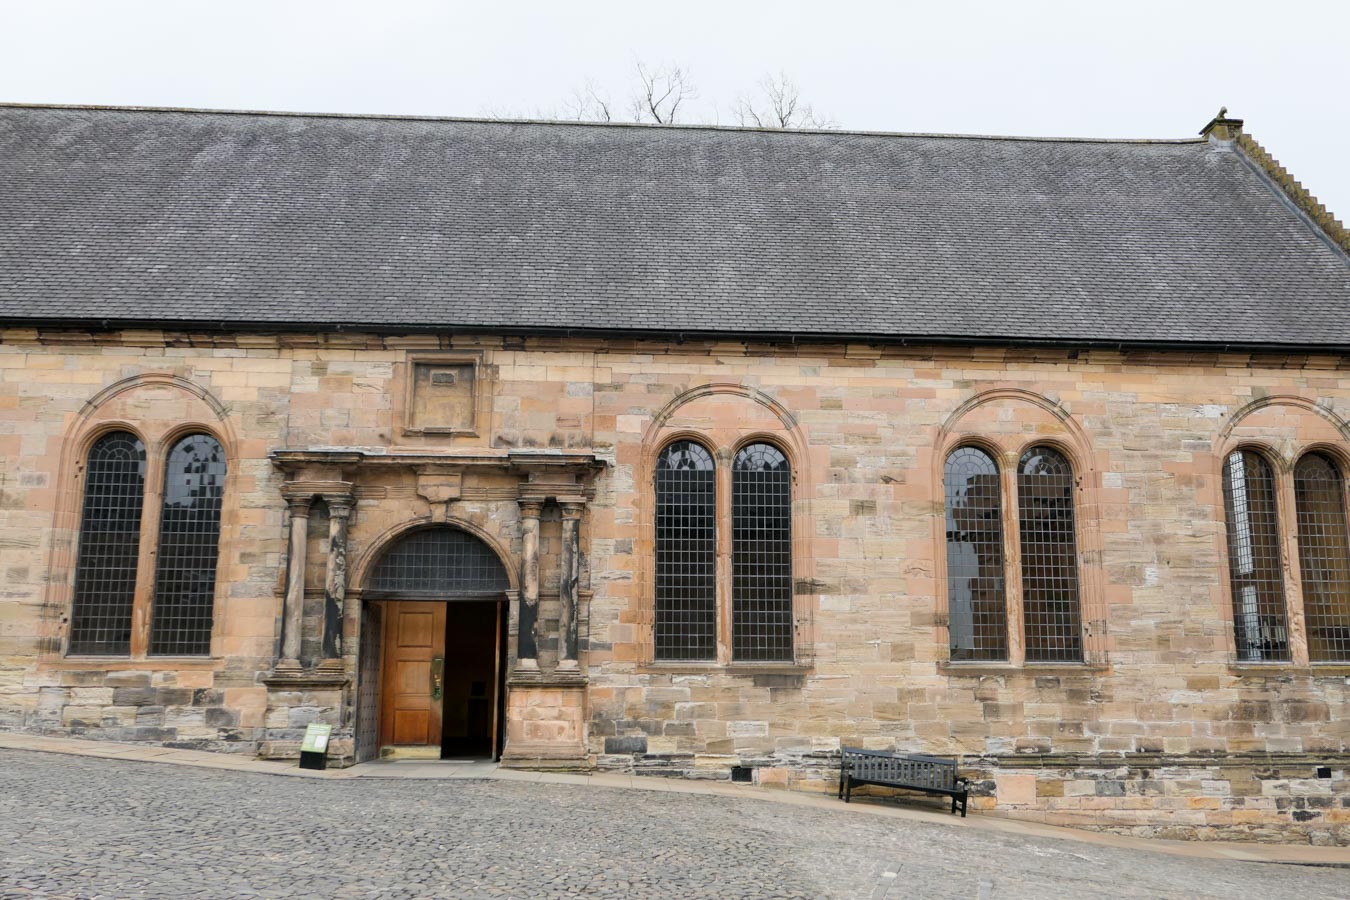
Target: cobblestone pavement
73,827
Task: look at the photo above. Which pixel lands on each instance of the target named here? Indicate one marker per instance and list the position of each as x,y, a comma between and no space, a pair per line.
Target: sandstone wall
1161,727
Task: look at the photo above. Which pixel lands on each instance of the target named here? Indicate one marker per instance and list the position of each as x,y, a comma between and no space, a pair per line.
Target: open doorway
433,650
472,709
441,677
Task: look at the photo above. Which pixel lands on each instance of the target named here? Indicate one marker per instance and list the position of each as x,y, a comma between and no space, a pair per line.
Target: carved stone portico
372,499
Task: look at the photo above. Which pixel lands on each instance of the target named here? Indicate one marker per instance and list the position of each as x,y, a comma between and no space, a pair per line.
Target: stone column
335,585
527,638
568,585
294,611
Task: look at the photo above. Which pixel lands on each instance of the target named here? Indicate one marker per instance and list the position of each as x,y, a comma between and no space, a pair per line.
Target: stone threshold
1300,854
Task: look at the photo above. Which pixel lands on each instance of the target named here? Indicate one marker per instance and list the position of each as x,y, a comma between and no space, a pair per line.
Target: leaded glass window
436,564
686,553
110,534
189,547
1260,628
1045,514
1324,557
976,598
761,555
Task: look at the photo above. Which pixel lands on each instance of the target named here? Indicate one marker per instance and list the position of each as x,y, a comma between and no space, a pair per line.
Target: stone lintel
301,490
580,461
537,678
282,679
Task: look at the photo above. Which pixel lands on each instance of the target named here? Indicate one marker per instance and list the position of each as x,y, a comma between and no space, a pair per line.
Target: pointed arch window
761,555
976,599
686,553
1324,556
189,547
1259,617
109,546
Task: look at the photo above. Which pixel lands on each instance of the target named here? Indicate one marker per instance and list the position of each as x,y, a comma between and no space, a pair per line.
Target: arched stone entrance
433,648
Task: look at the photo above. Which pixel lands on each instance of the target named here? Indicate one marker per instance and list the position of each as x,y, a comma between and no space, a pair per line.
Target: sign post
314,749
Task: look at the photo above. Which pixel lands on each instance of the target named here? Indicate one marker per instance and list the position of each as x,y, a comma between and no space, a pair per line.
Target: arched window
1324,557
1260,630
976,598
436,564
686,553
189,545
110,532
761,555
1050,609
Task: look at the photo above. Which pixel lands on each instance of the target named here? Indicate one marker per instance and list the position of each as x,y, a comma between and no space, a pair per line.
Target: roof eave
685,336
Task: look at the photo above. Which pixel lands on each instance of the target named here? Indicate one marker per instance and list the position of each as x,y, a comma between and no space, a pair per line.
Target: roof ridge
394,117
1300,196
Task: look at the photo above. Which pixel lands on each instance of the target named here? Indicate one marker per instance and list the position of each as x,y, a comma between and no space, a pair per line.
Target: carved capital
339,505
571,507
530,508
298,502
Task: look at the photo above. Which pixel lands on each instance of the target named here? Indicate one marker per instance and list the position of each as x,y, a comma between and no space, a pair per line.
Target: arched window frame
193,621
1273,641
991,642
1324,569
88,604
724,456
1007,452
157,448
1284,465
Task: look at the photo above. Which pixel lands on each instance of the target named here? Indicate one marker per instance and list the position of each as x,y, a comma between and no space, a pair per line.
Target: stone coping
1300,854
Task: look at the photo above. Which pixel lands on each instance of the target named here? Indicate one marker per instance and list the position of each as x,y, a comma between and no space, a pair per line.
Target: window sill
139,663
1316,670
986,667
712,667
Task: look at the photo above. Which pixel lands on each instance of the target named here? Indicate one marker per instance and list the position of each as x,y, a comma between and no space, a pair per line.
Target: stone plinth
546,724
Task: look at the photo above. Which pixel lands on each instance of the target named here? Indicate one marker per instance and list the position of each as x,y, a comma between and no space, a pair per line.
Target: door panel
410,720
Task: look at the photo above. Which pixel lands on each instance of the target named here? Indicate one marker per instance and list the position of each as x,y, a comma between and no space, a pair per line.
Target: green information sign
316,738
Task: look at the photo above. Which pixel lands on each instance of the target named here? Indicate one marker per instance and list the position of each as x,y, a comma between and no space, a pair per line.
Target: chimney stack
1222,128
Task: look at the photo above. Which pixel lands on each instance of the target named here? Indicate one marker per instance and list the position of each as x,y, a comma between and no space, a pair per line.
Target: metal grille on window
1260,629
436,564
1324,557
1050,612
686,564
110,535
189,546
761,555
976,601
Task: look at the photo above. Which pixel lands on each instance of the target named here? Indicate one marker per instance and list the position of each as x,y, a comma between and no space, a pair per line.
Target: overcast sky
1128,69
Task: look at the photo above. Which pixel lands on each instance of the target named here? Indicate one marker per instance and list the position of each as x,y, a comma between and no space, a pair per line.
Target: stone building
685,451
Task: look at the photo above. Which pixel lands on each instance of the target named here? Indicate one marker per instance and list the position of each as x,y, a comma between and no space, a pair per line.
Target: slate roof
125,216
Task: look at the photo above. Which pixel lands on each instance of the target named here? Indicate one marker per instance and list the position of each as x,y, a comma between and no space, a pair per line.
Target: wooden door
414,673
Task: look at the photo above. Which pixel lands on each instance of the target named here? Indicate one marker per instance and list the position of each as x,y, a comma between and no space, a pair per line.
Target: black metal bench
930,774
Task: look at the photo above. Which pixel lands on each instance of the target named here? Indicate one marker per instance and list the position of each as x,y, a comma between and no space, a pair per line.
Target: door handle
437,675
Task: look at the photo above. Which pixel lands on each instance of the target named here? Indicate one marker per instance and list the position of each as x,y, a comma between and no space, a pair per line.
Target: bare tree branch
779,106
589,104
661,93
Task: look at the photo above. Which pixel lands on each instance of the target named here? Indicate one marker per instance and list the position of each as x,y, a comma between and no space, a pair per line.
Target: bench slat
930,774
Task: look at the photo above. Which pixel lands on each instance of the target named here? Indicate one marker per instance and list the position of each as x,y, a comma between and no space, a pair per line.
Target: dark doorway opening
472,708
